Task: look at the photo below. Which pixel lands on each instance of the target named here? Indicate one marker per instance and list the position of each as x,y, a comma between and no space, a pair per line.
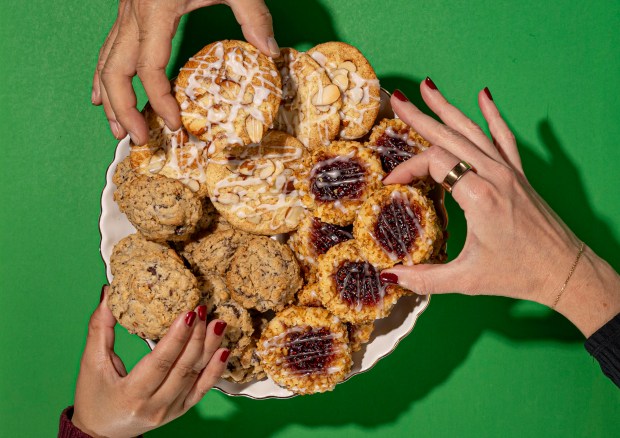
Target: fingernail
488,93
219,328
92,97
103,289
430,84
400,96
189,318
274,49
202,312
114,127
134,138
224,355
388,277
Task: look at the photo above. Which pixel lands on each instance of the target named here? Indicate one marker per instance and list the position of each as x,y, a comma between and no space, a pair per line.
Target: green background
474,366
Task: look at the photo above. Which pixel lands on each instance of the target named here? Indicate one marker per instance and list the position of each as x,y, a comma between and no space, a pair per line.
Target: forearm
592,296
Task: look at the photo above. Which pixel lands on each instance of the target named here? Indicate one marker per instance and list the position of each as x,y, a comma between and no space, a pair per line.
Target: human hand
140,42
515,245
168,381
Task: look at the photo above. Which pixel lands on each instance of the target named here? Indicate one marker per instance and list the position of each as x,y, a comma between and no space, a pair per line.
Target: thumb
100,339
426,279
256,25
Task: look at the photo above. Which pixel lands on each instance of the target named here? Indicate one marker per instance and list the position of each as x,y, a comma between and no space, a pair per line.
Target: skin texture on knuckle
163,365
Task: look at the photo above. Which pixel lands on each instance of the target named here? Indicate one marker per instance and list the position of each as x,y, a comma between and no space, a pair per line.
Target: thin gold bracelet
570,274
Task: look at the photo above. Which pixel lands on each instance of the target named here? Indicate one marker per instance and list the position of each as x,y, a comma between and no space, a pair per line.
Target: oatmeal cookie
174,154
310,101
136,245
160,208
313,238
350,288
123,172
213,252
213,290
253,187
229,93
244,366
263,275
305,349
357,81
397,224
342,176
239,328
149,292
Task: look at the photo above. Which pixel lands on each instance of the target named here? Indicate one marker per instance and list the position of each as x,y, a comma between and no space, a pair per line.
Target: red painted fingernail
488,93
103,288
219,328
224,355
388,277
202,312
400,96
189,318
430,84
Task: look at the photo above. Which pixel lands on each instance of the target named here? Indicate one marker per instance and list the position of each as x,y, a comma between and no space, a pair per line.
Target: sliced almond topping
339,71
279,168
247,167
323,108
342,81
348,65
293,216
355,95
229,90
254,219
254,128
157,161
192,184
326,96
227,198
264,169
248,98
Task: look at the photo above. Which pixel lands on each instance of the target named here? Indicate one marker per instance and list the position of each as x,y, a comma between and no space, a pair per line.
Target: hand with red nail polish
516,246
168,381
140,43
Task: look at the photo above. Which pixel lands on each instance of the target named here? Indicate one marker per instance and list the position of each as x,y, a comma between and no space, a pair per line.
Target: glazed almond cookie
305,349
352,73
229,93
341,177
174,154
213,252
350,288
313,238
309,296
253,187
136,245
310,102
359,334
394,142
149,292
160,208
263,275
397,224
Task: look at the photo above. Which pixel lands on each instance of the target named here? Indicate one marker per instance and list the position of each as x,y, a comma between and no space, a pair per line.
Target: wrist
77,422
592,296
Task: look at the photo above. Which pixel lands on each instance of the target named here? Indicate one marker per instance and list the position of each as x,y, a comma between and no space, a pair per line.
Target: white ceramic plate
388,332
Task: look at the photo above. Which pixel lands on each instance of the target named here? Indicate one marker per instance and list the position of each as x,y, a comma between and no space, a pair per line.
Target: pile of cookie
268,206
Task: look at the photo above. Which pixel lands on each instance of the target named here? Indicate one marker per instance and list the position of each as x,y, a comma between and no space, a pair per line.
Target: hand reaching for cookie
516,245
184,365
140,42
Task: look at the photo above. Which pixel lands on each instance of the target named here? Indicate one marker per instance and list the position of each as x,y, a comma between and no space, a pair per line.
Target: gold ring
454,175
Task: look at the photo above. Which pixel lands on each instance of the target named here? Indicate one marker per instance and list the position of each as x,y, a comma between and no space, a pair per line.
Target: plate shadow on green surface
442,340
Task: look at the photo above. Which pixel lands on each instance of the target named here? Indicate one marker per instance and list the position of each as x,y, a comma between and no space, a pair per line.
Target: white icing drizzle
397,234
264,184
282,343
225,86
297,115
358,279
352,178
392,151
356,98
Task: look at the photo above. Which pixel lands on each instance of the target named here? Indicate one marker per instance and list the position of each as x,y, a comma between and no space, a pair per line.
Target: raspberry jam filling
309,350
324,236
337,178
398,225
359,285
395,147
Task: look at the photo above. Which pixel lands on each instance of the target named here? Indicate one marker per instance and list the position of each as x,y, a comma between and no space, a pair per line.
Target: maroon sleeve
66,429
